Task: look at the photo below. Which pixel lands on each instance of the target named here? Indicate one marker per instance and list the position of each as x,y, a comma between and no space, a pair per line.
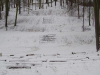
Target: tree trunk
14,3
0,10
32,4
35,4
16,12
2,4
61,3
67,2
83,15
19,4
55,2
39,4
8,7
23,5
96,11
28,6
71,3
78,10
51,3
46,1
6,12
11,3
89,13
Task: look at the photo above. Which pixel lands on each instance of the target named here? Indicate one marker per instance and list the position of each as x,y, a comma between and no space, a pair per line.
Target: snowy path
55,64
24,53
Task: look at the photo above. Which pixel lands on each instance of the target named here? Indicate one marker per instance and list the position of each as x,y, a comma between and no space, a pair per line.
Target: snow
24,52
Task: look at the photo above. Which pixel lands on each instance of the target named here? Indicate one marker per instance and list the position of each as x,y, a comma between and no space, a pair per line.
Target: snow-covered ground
26,51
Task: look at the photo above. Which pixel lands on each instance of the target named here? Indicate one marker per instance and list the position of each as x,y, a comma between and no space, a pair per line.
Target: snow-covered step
79,53
33,54
68,59
37,60
19,60
57,60
3,59
18,67
47,38
24,63
38,64
49,54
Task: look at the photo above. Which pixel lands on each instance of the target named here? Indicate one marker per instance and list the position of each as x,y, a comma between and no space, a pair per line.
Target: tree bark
89,13
2,5
78,11
0,10
83,15
14,3
28,6
6,12
51,3
16,12
61,3
55,2
67,2
19,4
96,11
39,4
